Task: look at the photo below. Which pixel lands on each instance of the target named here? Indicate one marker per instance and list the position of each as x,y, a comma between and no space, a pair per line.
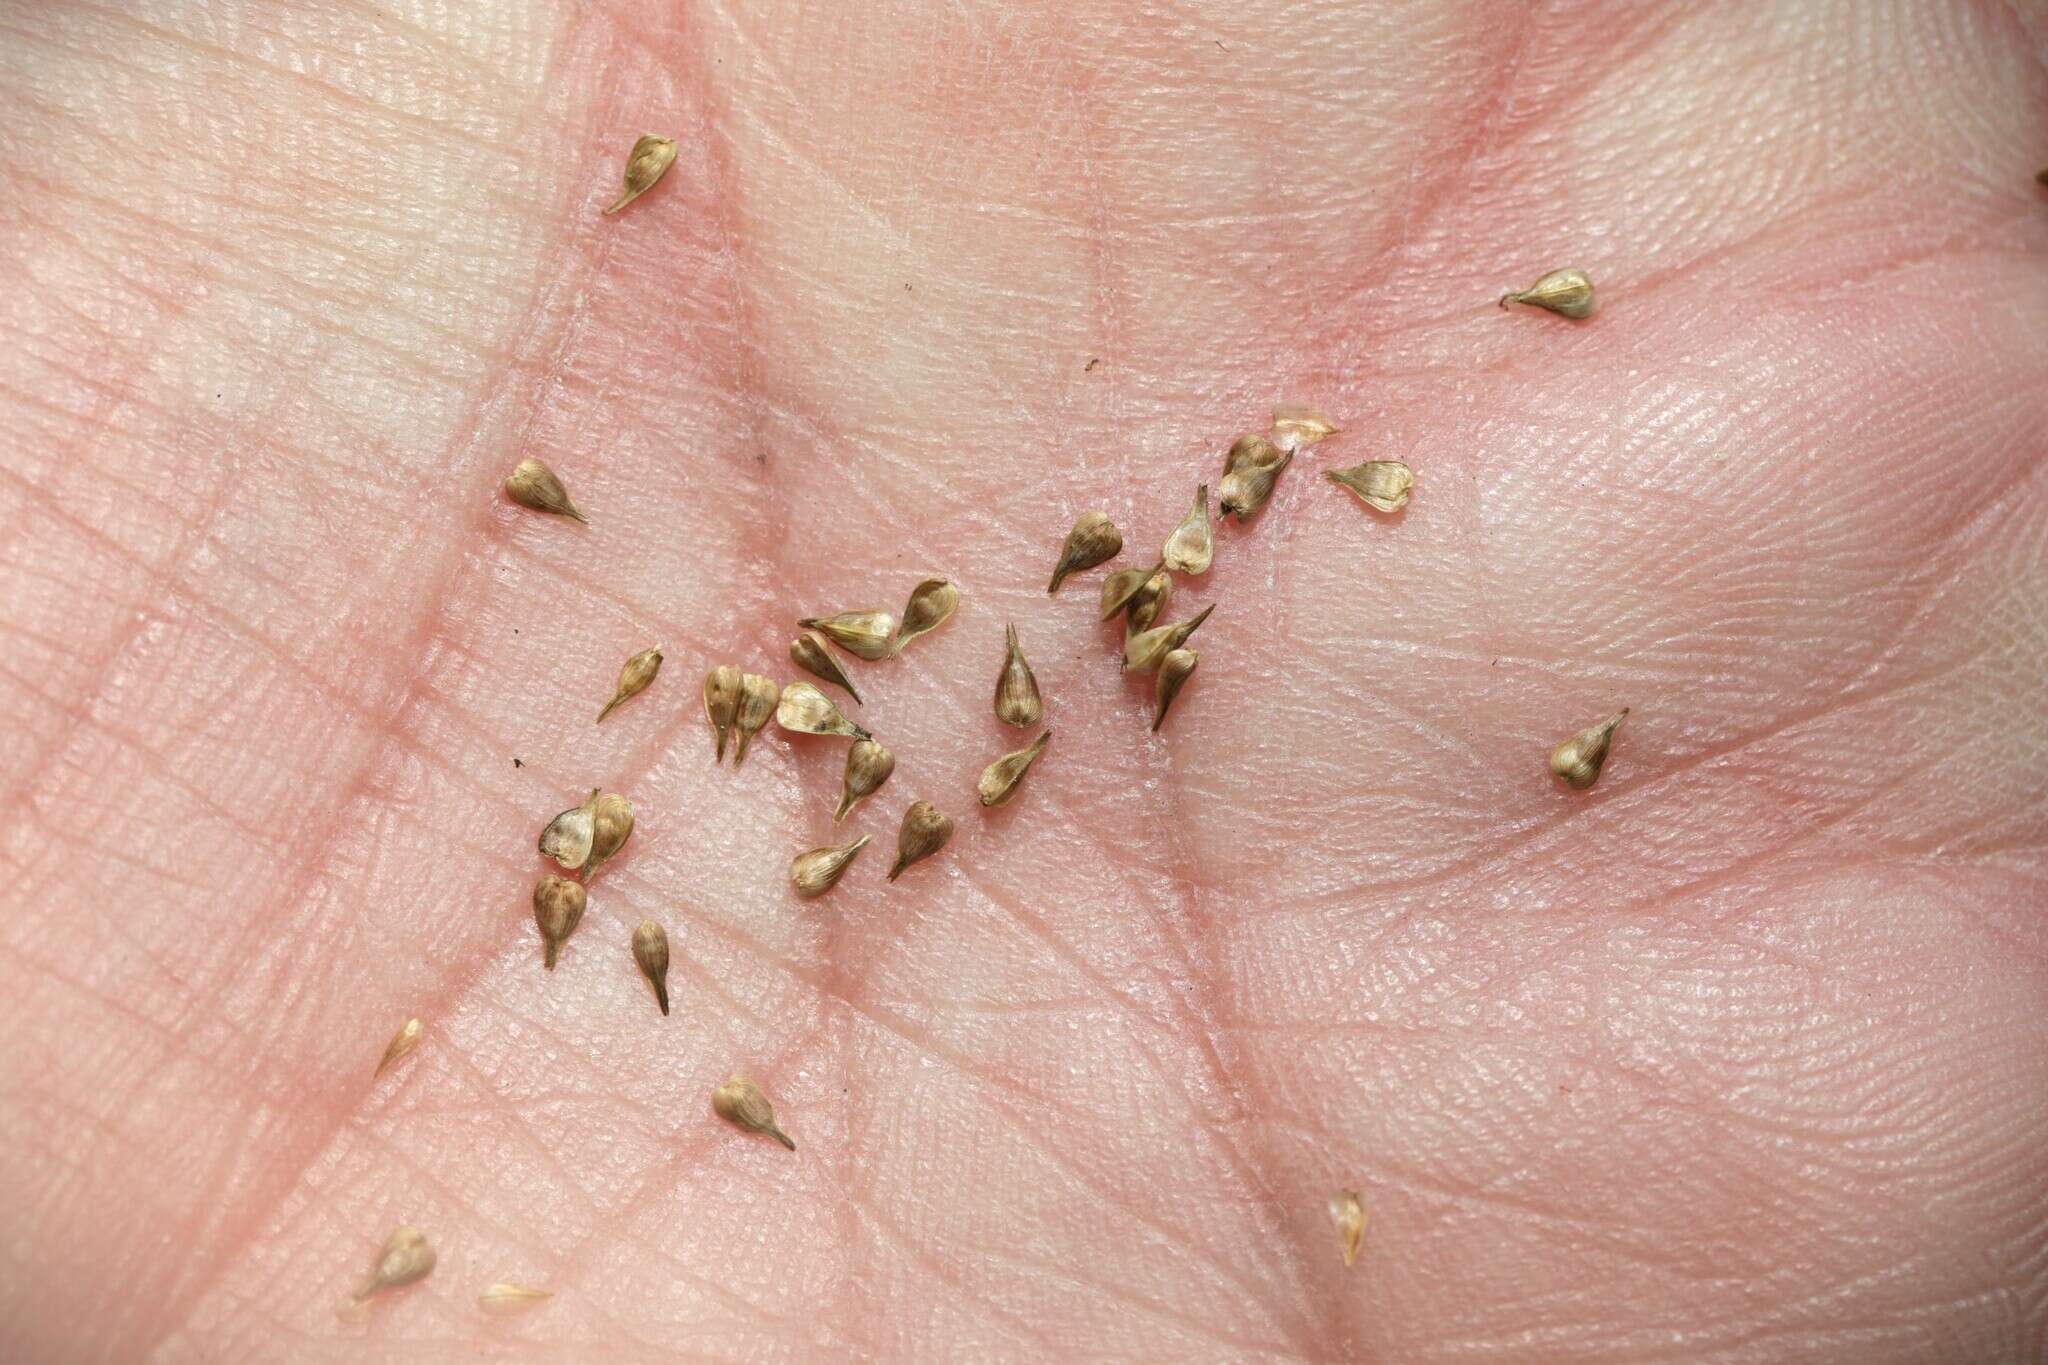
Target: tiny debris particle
1380,484
517,764
503,1298
1296,425
931,602
1174,671
1095,360
722,703
402,1043
804,710
633,679
1148,603
568,836
809,652
868,766
813,873
1017,699
1094,540
1000,780
532,484
645,164
740,1103
758,698
1192,545
650,952
1145,651
863,634
611,819
1577,761
558,905
1568,293
924,832
2040,179
405,1258
1347,1211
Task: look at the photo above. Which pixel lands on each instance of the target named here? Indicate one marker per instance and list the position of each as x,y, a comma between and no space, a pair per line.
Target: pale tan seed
1192,545
1568,293
863,634
1380,484
758,699
1577,761
868,766
1093,540
1347,1211
633,678
1017,699
401,1045
931,602
611,824
1148,603
1000,780
812,873
1174,671
568,836
722,703
809,652
1244,490
1251,452
1296,425
405,1258
532,484
1124,584
503,1298
558,905
650,953
740,1103
1145,651
804,710
923,833
645,164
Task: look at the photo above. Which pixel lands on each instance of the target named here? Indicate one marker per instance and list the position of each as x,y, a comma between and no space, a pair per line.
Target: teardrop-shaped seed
924,832
405,1258
1000,780
1347,1211
868,766
1577,761
1093,540
558,905
809,652
804,710
503,1298
1124,584
1380,484
532,484
1244,490
1296,425
650,954
1017,699
1174,671
633,678
645,164
931,602
611,824
740,1103
402,1043
1193,544
1568,293
758,698
722,702
1148,603
1144,652
568,836
813,873
863,634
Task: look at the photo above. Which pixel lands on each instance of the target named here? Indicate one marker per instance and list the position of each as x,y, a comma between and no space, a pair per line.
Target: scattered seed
809,652
1296,425
1347,1211
863,634
722,703
868,766
533,484
758,697
1568,293
1121,586
568,836
924,832
501,1298
633,678
1093,540
814,872
804,710
1174,671
1147,604
1000,780
931,602
646,163
1380,484
1192,545
402,1043
650,950
740,1103
1017,699
1145,651
611,824
558,905
405,1258
1577,761
1257,468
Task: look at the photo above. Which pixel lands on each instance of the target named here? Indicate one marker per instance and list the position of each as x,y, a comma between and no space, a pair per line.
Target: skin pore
1738,1056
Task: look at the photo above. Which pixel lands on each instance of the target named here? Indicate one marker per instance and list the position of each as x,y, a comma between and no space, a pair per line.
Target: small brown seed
1145,651
740,1103
1577,761
924,832
1017,699
1124,584
633,678
1250,452
868,766
1174,671
1296,425
1380,484
809,652
646,163
722,703
1244,490
650,951
558,905
931,602
1093,540
758,698
611,824
814,872
1192,545
1568,293
532,484
1000,780
568,836
405,1258
1347,1211
1148,603
402,1043
503,1298
804,710
863,634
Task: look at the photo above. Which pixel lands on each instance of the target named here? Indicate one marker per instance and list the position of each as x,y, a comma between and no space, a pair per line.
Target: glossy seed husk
722,703
1296,425
647,163
1093,540
1192,546
758,699
650,954
611,824
1017,699
1347,1211
1000,780
1380,484
638,672
924,832
931,602
1568,293
502,1298
558,905
402,1043
1148,603
868,766
405,1258
532,484
863,634
813,873
1577,761
1174,671
568,837
809,652
1121,586
740,1103
1144,652
804,710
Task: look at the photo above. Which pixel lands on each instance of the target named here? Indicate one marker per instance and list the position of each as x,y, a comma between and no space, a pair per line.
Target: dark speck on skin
517,764
1093,361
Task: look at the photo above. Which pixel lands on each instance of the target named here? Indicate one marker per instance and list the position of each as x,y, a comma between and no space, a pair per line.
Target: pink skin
1741,1056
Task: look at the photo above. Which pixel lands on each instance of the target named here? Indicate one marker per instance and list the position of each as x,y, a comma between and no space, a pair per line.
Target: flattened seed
863,634
931,602
1258,468
1174,671
1192,546
647,163
1296,425
722,703
1120,587
1145,652
813,873
611,824
804,710
638,672
868,766
1017,699
740,1103
568,836
1347,1211
401,1045
759,697
924,832
1000,780
809,652
1380,484
532,484
405,1258
1093,540
503,1298
1577,761
1568,293
558,905
1148,604
650,954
